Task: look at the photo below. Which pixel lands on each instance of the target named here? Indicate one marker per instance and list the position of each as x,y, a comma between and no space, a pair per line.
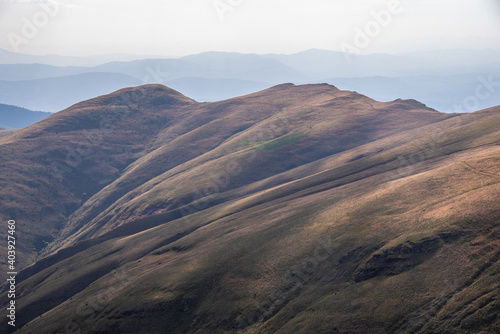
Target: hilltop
296,209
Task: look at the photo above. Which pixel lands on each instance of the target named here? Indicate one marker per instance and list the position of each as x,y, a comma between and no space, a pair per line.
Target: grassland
299,209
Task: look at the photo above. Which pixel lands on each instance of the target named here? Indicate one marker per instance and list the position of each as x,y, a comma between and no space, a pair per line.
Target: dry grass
253,254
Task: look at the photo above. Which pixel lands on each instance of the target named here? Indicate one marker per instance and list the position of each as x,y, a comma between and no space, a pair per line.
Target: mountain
57,93
19,72
152,70
5,132
203,90
246,67
204,77
434,90
208,65
8,57
324,63
12,117
214,76
297,209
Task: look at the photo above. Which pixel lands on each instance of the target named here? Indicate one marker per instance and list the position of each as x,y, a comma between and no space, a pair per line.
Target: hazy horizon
96,55
108,57
92,33
175,29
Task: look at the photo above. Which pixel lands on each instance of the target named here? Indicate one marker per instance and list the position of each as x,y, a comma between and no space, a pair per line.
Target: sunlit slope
372,255
49,169
338,222
239,142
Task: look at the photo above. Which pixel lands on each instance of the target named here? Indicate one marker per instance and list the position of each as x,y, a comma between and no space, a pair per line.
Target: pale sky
182,27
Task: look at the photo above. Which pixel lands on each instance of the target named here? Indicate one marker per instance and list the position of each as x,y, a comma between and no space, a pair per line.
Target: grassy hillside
298,209
52,167
225,146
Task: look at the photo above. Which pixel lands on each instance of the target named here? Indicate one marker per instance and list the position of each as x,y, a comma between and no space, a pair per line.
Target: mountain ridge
13,117
299,208
217,76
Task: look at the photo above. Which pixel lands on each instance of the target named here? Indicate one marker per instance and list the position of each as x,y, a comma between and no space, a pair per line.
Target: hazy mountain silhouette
12,117
440,79
54,94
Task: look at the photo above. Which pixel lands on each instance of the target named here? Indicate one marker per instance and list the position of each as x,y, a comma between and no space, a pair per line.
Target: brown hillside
298,209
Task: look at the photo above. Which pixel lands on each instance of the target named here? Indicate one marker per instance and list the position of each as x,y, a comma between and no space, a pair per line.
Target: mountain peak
146,104
294,192
300,89
410,104
150,95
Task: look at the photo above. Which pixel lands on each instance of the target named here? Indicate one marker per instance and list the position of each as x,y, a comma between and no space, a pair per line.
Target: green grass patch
285,140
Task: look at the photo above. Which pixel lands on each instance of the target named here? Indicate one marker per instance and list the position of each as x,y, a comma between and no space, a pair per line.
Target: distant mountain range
8,57
12,117
296,209
444,80
57,93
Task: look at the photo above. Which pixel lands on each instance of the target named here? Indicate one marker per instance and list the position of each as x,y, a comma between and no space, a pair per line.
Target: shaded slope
238,142
333,213
50,168
295,263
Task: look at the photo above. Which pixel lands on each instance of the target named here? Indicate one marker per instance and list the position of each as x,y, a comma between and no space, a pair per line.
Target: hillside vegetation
297,209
